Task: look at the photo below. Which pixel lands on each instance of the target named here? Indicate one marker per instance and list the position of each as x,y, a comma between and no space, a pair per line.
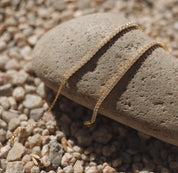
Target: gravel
62,144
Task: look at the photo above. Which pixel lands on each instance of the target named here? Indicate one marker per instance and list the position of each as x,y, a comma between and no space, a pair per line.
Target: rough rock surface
146,98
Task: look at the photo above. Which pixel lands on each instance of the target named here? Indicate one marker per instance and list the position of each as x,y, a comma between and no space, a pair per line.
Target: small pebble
7,116
2,135
28,166
13,124
16,152
12,64
68,169
3,124
14,167
45,161
78,166
32,101
55,153
35,140
35,169
18,93
36,113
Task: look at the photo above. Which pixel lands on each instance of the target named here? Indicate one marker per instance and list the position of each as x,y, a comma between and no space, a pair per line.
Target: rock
78,166
68,169
13,124
2,45
66,159
35,140
59,5
28,166
35,169
15,167
41,90
32,40
36,113
32,101
4,151
108,169
7,116
16,152
92,169
3,60
12,64
55,153
4,78
18,93
3,124
19,78
6,90
146,98
26,52
2,135
45,161
4,102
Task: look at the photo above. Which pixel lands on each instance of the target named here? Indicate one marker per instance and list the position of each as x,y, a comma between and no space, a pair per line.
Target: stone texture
6,90
15,167
16,152
55,153
146,98
32,101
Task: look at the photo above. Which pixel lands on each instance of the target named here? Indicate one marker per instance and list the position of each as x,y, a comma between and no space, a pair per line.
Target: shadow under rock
122,147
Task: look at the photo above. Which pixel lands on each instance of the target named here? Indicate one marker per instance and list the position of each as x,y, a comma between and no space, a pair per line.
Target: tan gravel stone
32,101
16,152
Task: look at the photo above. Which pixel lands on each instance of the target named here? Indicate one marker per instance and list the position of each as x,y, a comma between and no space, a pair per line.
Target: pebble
3,60
13,124
4,102
29,88
35,169
18,93
4,78
45,161
32,40
6,90
78,166
36,113
16,152
14,167
55,153
2,45
28,166
32,101
59,5
92,169
108,169
41,90
26,52
35,140
7,116
2,135
12,64
68,169
19,78
66,159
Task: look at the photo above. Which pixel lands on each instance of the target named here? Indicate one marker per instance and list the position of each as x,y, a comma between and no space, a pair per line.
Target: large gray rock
146,98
